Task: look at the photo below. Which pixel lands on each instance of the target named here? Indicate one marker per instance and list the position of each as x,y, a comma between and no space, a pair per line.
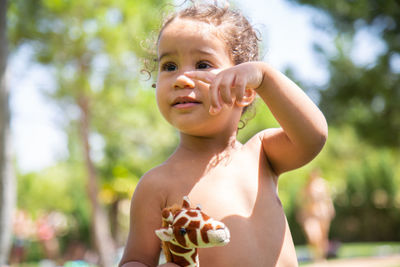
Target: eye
169,66
182,231
203,65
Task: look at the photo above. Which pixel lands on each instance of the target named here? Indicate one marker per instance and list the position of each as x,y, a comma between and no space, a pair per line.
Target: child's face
187,45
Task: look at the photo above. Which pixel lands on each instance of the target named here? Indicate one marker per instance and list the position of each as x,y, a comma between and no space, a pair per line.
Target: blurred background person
315,214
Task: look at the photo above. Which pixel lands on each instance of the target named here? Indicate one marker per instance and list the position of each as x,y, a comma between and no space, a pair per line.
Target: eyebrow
199,51
166,54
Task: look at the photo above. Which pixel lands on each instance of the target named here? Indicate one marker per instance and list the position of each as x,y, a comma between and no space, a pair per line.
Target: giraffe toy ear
186,203
165,234
198,207
167,216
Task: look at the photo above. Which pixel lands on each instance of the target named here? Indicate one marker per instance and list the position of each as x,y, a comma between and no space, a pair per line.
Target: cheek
161,100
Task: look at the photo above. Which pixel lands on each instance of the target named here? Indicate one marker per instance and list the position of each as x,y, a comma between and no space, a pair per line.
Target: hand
229,86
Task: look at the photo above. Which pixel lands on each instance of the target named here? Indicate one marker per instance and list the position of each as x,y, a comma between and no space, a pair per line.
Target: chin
206,132
208,126
197,132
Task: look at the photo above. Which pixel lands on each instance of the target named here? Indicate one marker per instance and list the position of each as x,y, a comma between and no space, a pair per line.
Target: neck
204,145
184,257
207,152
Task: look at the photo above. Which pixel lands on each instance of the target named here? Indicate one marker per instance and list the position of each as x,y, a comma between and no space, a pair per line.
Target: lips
185,102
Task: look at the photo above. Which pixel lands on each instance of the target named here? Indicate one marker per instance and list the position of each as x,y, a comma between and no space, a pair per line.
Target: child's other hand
228,86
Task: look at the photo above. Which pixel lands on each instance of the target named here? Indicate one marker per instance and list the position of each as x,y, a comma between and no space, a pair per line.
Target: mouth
185,102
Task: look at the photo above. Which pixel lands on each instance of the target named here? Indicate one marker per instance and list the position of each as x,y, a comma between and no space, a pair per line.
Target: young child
208,72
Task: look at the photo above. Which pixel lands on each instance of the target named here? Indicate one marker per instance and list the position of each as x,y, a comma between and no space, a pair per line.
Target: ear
198,207
248,97
186,203
165,234
167,216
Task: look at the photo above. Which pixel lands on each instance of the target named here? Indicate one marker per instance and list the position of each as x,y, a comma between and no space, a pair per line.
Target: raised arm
304,128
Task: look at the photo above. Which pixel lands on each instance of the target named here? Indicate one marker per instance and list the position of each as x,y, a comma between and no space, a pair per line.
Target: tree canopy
364,95
92,51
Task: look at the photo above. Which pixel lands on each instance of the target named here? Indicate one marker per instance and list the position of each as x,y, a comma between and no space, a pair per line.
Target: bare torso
241,191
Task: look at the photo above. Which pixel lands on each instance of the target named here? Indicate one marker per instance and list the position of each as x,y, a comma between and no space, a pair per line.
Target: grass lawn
345,251
354,250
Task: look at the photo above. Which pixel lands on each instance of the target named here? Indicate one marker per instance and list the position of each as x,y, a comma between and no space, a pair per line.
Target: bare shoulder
147,203
281,152
260,136
256,145
154,182
256,142
152,191
271,145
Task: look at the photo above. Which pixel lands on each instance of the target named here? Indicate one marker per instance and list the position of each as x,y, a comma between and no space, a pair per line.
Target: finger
238,89
215,98
204,76
225,88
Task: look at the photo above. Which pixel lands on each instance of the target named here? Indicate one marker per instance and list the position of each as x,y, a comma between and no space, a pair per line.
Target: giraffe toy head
185,229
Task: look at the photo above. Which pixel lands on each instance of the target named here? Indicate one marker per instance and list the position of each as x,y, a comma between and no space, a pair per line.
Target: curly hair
232,27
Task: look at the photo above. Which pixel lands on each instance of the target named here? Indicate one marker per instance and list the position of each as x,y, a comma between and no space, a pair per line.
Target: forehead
187,34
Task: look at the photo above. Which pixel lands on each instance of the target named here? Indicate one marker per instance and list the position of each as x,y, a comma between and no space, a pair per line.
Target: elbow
315,135
324,134
320,138
316,139
321,143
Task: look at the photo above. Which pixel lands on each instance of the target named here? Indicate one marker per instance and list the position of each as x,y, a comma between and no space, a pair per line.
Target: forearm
302,121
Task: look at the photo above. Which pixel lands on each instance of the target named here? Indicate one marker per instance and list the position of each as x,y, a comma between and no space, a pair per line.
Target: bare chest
231,187
242,194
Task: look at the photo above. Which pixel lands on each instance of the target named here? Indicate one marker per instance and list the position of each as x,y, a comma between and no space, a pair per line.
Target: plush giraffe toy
186,229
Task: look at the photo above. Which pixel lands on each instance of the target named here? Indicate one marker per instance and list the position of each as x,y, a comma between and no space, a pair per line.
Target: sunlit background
288,36
347,58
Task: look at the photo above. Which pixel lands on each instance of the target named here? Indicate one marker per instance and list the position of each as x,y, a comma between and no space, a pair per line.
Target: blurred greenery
362,94
360,101
357,250
93,49
115,133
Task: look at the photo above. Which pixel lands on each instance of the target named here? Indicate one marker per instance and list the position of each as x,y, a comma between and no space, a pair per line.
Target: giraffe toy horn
167,216
186,203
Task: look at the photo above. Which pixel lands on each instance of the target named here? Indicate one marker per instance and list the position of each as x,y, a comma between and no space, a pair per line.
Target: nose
183,82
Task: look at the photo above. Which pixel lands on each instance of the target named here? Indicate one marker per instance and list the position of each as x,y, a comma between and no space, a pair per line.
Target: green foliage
360,101
60,189
364,183
91,49
368,249
371,194
57,188
364,95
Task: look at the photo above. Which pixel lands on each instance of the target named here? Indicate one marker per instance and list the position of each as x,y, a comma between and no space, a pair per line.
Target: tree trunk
115,229
99,221
7,183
